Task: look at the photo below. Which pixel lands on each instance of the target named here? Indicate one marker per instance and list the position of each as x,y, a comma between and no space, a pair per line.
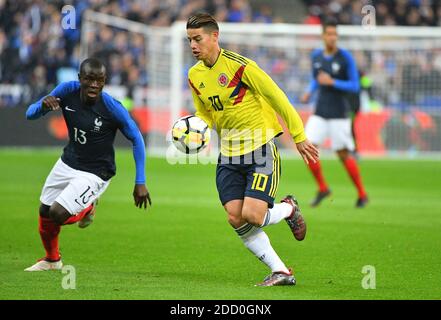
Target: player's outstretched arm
258,79
40,108
141,195
308,151
130,130
313,86
51,101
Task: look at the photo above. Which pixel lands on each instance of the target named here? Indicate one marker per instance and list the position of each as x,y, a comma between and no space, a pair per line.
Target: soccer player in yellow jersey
232,94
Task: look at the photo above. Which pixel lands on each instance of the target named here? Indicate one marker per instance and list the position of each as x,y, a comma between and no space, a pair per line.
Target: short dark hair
329,22
94,63
202,20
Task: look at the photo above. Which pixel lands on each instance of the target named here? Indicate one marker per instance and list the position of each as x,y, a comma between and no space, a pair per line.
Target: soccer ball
190,134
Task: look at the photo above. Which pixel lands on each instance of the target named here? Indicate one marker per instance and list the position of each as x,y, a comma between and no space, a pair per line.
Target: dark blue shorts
254,175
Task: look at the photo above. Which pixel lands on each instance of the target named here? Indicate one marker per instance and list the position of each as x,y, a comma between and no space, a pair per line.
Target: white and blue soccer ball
190,134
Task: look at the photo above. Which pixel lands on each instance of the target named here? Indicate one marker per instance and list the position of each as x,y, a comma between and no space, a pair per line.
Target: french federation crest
335,67
222,80
98,123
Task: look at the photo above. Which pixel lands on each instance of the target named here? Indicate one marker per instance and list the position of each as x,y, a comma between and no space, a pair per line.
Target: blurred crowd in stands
387,12
35,51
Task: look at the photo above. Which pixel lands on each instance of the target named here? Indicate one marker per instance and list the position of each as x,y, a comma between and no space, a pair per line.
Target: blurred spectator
314,13
394,12
35,50
32,41
264,15
240,11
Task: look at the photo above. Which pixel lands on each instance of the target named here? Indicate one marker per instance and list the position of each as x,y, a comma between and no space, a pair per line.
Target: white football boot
43,265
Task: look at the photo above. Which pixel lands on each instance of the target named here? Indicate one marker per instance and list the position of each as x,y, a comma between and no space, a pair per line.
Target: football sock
49,231
316,171
277,213
256,240
352,168
79,216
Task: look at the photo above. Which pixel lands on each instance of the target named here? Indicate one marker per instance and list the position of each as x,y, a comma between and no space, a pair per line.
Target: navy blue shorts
254,175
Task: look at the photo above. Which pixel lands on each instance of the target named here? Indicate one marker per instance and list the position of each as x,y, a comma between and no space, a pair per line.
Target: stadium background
182,247
402,92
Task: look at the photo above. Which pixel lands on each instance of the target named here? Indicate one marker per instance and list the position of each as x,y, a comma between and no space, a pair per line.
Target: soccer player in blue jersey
87,164
334,76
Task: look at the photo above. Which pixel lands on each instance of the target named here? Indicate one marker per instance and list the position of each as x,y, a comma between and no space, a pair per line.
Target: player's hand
325,79
141,195
308,151
305,98
51,103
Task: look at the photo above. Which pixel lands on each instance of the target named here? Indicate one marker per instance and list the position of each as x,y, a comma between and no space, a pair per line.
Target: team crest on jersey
98,123
335,67
222,80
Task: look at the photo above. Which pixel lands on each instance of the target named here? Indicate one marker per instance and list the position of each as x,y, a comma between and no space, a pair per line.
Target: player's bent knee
251,215
57,217
343,154
234,210
58,214
235,220
44,211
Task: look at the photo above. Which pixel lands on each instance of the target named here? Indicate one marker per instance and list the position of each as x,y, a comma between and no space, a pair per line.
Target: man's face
92,82
202,43
330,37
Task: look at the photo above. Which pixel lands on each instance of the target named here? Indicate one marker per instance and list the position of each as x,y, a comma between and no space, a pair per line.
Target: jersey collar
214,64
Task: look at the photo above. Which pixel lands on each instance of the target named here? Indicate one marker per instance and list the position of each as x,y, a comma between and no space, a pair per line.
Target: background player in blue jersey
87,164
334,76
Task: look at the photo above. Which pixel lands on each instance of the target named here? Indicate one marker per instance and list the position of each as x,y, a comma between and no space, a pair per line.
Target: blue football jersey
332,101
92,130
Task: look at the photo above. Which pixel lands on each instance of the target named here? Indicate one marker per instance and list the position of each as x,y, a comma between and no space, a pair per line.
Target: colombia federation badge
222,79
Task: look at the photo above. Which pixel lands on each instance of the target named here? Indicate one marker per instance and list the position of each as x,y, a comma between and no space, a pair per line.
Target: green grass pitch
183,248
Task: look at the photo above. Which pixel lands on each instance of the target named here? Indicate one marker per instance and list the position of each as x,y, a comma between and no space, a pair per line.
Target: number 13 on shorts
84,198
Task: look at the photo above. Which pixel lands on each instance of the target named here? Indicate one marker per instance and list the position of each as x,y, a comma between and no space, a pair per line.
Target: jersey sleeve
261,82
313,84
35,110
130,130
201,111
353,82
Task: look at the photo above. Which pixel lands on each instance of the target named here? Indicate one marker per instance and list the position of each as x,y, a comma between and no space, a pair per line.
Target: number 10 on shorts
259,182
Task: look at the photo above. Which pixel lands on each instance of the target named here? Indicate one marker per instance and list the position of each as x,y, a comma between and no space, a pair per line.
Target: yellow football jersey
240,100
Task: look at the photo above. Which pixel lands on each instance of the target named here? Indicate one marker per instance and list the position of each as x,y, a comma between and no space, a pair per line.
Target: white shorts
339,130
75,190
